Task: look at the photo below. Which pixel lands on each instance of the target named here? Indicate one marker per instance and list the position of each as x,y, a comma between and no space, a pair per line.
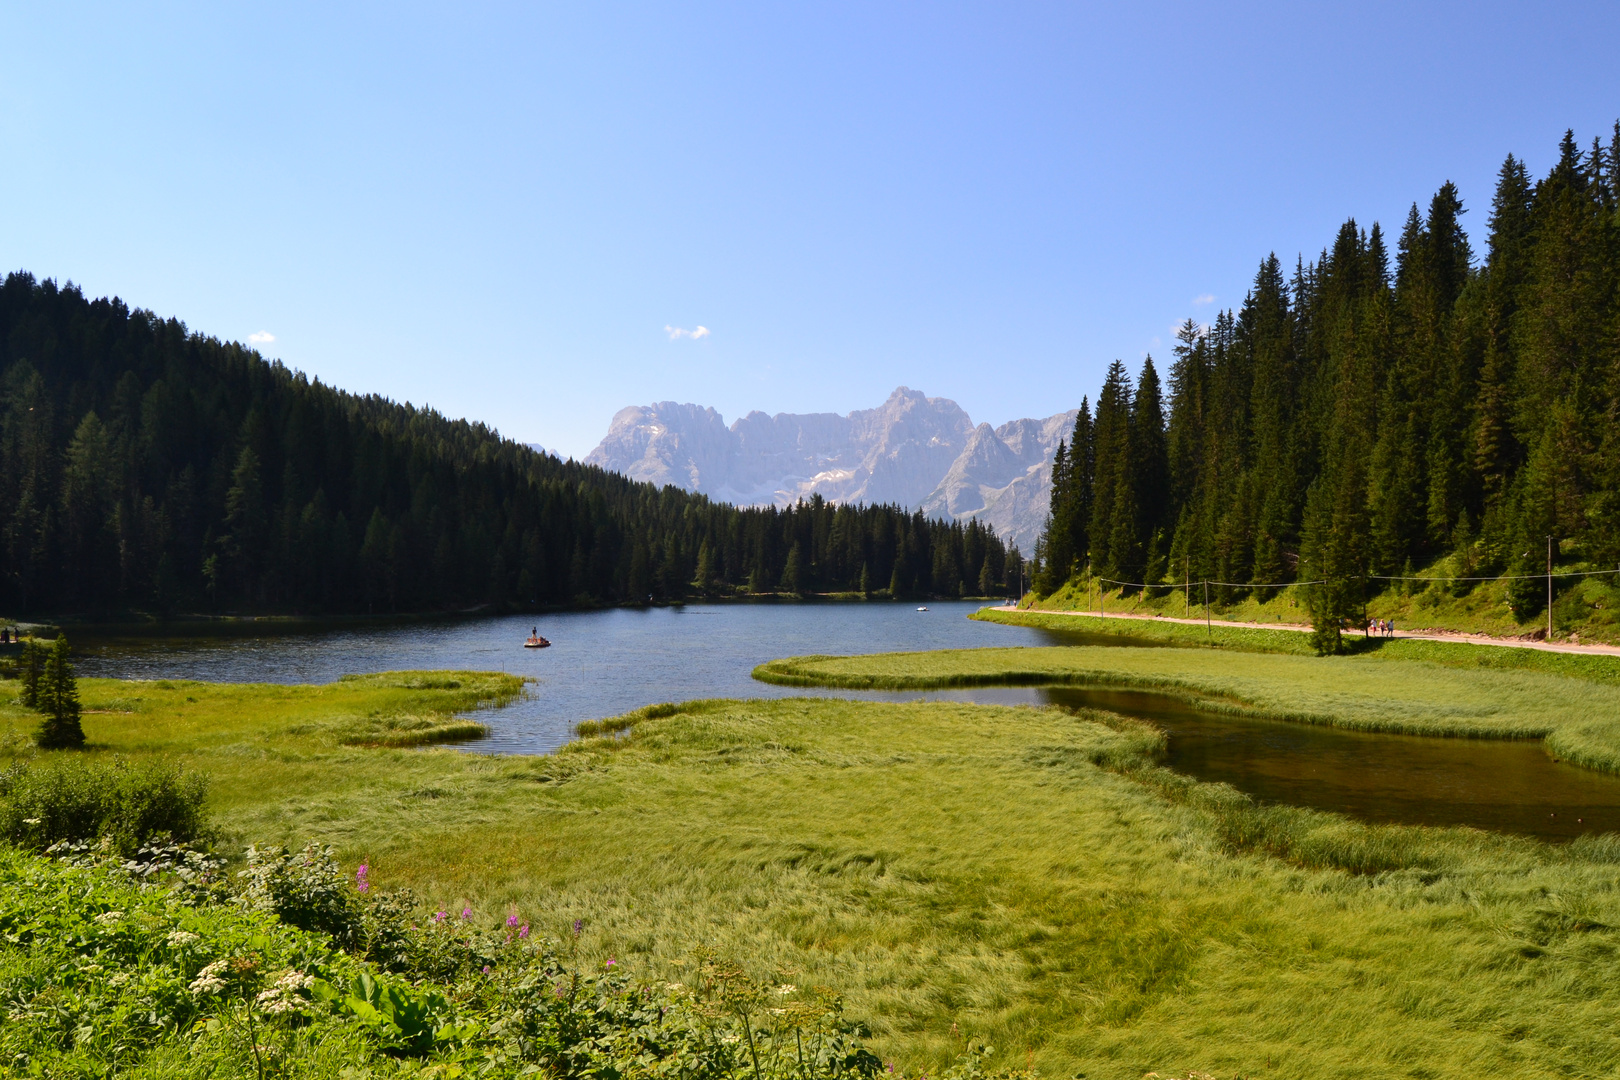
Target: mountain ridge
920,452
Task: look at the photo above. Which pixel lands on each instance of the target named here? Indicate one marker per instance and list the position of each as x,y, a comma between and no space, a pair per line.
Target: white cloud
263,337
1204,298
676,333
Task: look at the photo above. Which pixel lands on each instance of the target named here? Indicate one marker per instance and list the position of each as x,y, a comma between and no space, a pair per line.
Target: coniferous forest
147,468
1374,410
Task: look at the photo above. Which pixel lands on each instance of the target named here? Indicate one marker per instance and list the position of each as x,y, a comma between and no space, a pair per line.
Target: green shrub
305,889
41,805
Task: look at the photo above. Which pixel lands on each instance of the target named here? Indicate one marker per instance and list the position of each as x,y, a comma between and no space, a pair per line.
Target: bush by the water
125,804
103,974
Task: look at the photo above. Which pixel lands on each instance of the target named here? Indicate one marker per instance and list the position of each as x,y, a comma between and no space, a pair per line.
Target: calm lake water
603,663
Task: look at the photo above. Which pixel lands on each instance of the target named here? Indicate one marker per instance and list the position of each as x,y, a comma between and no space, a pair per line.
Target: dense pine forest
1354,420
147,468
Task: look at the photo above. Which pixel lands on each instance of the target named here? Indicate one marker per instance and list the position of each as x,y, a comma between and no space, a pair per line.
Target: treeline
143,467
1355,419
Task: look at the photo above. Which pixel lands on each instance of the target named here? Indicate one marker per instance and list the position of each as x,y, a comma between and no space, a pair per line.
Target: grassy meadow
1026,875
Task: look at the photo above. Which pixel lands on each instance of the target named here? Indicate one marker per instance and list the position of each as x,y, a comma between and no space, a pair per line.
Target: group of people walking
1381,627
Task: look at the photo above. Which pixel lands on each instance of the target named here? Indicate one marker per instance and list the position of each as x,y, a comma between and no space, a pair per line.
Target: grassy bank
1025,874
1590,667
1578,717
1584,608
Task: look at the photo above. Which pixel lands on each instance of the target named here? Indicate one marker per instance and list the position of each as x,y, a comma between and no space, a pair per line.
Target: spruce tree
1057,552
30,666
1151,477
59,701
1112,448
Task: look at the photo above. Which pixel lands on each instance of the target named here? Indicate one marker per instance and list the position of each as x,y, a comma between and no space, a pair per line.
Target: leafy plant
127,805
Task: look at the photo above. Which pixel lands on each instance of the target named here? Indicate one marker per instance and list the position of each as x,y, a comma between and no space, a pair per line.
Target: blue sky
506,212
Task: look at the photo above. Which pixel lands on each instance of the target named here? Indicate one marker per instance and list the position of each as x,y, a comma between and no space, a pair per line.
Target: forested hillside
1374,411
144,467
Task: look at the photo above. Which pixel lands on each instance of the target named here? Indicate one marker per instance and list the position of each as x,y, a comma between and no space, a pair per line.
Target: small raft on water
536,642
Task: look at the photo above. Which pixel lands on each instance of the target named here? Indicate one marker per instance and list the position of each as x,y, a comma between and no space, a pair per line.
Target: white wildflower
786,988
120,979
109,917
181,938
275,1002
211,979
294,980
282,997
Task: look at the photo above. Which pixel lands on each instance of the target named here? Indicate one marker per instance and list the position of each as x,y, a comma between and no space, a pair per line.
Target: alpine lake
609,662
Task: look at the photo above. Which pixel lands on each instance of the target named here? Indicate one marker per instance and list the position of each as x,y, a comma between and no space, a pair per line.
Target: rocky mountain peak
913,450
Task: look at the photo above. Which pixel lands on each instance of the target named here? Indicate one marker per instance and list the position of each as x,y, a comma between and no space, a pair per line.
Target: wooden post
1209,633
1549,588
1186,573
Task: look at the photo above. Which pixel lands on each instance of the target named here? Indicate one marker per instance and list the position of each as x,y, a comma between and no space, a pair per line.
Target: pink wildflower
523,931
360,881
439,916
511,920
466,913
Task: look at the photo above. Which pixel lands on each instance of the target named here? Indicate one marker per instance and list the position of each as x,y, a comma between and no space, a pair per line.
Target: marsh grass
1578,717
1028,875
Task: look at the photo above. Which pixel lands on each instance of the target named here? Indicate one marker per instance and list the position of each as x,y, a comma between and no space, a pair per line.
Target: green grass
1578,717
1025,874
1587,609
1594,667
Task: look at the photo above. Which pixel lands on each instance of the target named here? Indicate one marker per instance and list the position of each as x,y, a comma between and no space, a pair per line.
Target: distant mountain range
913,450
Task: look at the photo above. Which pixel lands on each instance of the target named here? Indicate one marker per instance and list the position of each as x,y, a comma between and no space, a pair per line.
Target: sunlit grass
1025,874
1578,717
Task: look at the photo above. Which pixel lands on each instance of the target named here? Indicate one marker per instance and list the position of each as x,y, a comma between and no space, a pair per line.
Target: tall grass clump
126,804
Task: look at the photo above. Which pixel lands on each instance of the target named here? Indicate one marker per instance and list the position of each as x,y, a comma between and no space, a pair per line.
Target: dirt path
1415,635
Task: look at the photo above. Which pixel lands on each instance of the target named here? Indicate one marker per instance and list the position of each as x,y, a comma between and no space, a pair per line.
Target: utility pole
1549,588
1209,633
1186,585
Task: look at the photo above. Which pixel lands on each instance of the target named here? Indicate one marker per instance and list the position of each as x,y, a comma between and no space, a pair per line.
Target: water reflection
1505,785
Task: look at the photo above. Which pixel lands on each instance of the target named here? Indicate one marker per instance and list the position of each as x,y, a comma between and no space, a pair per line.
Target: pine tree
793,571
30,666
1057,552
1112,490
59,701
1155,513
